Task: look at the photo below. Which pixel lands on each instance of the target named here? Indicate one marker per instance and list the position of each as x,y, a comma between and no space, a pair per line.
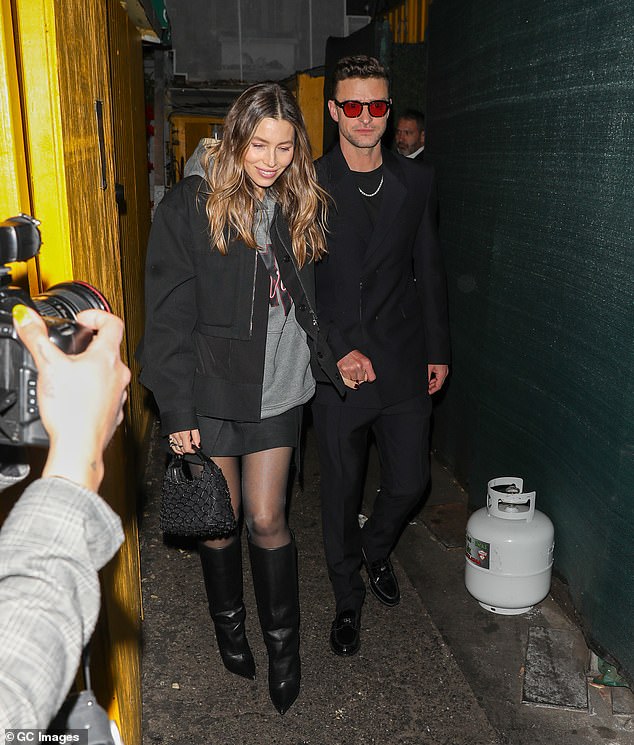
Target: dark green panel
408,77
530,124
408,82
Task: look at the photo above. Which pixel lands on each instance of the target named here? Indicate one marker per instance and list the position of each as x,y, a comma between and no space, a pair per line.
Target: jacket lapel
348,202
343,189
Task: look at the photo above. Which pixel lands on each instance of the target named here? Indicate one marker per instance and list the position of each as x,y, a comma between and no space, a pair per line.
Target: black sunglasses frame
341,105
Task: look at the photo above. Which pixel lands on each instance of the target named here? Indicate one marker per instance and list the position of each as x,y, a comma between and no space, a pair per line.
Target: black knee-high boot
222,571
276,592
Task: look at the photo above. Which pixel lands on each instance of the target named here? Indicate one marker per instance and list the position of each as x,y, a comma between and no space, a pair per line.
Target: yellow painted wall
186,131
57,60
14,194
43,148
408,21
131,172
310,97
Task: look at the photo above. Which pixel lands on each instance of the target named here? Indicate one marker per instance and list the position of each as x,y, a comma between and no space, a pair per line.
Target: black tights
258,483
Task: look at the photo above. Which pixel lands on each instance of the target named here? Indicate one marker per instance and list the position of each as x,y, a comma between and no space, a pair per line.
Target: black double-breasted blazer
207,313
382,290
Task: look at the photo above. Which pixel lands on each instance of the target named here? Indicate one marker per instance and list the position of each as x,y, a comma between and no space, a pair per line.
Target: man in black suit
409,135
381,296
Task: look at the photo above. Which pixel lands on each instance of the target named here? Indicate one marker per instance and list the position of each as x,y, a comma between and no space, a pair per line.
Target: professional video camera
20,422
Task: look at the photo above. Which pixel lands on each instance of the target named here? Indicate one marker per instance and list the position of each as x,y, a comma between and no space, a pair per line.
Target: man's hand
436,376
81,396
356,368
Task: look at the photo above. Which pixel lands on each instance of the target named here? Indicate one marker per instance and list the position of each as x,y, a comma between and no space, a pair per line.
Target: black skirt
221,437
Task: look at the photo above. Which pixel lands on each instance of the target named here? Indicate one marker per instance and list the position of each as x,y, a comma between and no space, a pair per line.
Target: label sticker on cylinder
478,551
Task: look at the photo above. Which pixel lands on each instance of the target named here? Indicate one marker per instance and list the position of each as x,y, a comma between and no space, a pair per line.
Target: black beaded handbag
196,505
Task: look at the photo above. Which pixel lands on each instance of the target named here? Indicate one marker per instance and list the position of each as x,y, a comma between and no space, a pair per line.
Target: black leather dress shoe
383,581
345,634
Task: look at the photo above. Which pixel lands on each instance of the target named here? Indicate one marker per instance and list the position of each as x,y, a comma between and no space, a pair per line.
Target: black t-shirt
370,185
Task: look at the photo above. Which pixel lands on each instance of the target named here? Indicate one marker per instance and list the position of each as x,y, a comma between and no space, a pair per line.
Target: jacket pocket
218,294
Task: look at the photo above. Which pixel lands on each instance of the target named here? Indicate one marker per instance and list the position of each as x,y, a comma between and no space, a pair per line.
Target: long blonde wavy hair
232,199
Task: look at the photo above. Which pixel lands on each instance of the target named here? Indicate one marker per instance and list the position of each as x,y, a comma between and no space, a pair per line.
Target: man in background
410,134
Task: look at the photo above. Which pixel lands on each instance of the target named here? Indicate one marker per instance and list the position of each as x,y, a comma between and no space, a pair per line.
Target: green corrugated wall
530,116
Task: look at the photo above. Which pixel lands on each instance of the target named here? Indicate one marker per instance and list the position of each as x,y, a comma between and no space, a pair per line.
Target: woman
230,349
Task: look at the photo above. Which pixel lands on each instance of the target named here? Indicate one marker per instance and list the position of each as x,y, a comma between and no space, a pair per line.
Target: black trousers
402,438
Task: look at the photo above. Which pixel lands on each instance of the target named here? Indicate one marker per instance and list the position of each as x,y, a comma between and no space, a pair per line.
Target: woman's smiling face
270,152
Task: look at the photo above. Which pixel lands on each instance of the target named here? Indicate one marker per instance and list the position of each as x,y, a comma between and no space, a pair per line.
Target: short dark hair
416,116
358,66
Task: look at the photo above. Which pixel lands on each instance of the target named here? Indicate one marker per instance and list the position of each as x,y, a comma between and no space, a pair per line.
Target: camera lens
67,299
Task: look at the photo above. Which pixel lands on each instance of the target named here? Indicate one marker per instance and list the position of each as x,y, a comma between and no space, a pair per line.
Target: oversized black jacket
382,289
207,314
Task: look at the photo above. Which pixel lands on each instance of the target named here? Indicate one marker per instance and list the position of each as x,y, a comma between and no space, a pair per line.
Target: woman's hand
183,442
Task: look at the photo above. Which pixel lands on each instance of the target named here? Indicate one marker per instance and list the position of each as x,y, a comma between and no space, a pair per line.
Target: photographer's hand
80,396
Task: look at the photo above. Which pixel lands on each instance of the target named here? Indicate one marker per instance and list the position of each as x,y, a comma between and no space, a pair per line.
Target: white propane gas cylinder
510,547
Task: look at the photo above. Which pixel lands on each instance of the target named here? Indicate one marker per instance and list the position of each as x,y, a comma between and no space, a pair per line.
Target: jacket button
287,258
302,307
320,354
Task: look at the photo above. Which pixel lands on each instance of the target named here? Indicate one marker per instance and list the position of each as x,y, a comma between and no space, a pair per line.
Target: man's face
408,137
365,131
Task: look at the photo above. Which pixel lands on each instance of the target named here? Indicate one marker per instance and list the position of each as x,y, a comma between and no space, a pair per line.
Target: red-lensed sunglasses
353,109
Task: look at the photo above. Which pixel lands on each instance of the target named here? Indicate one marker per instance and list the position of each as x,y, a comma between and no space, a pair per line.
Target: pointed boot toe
283,694
274,573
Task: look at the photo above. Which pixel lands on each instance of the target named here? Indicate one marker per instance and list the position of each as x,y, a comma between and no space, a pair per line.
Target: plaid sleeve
54,541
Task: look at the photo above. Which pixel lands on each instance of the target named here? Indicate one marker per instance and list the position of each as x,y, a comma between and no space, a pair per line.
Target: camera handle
82,711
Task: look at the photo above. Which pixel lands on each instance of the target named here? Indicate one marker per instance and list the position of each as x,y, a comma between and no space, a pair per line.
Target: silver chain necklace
375,192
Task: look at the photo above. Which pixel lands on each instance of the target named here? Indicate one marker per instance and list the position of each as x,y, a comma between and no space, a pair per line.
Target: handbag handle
177,461
204,458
